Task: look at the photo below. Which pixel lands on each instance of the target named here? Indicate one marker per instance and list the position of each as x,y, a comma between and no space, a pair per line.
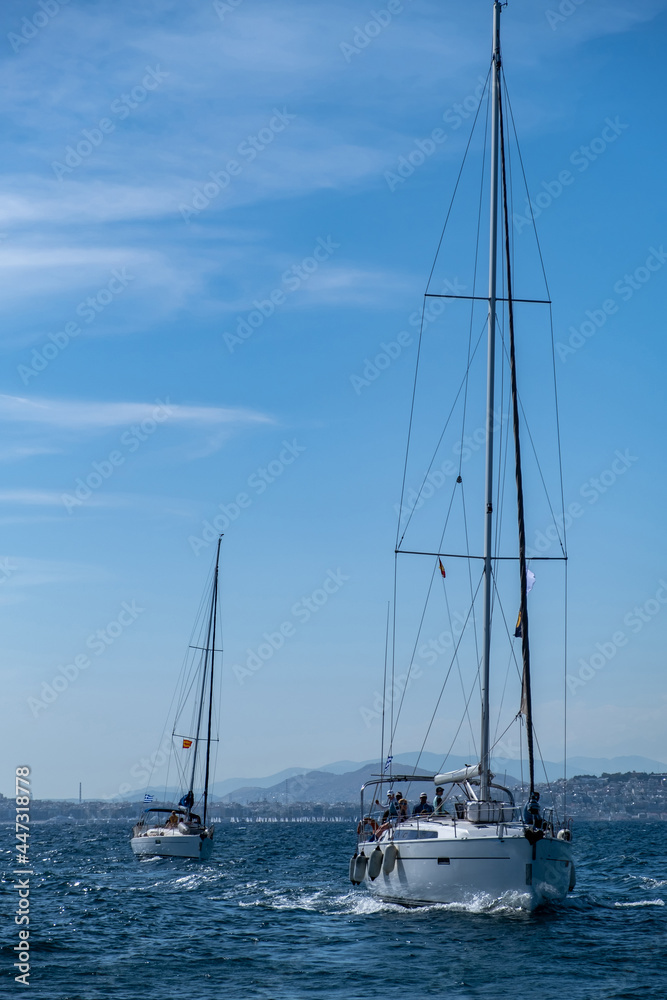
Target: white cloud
359,286
25,571
77,415
31,198
151,504
31,498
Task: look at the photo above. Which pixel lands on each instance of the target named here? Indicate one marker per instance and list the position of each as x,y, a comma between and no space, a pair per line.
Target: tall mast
526,695
200,711
490,386
214,609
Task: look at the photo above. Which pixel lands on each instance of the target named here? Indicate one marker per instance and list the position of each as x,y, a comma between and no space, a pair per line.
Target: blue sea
272,915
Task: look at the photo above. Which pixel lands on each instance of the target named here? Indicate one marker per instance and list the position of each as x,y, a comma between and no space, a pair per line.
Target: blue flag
148,798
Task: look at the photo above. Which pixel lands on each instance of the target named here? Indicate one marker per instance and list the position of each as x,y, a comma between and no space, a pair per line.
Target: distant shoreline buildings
632,795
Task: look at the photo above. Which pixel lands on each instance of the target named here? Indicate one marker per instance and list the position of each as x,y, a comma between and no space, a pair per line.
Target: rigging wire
502,697
561,541
467,382
444,683
399,537
474,685
525,648
548,291
501,474
474,277
421,624
565,692
558,437
470,584
497,741
437,447
384,688
525,182
393,660
428,284
178,692
458,664
458,179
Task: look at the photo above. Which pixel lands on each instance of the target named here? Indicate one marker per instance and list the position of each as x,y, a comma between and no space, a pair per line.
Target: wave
355,903
643,902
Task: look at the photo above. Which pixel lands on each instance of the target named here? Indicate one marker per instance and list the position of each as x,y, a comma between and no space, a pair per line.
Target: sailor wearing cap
423,806
391,812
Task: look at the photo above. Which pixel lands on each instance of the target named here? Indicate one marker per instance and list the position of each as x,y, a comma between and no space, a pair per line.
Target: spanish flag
442,569
187,744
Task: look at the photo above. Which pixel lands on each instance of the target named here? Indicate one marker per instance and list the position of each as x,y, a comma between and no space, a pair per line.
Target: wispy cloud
40,426
359,286
26,571
44,498
81,416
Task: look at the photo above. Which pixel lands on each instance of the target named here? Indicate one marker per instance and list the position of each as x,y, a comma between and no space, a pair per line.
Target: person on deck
367,827
172,822
391,812
531,814
439,802
402,806
423,806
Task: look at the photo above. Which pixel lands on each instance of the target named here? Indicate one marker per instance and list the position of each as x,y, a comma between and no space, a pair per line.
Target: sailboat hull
473,866
173,845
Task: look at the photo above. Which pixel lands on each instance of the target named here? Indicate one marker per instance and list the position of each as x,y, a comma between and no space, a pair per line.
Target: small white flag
530,580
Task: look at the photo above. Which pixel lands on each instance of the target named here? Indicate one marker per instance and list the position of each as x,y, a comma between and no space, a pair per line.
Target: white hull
473,865
173,844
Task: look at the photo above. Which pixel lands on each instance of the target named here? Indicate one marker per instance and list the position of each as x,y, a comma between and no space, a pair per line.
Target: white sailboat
184,830
477,846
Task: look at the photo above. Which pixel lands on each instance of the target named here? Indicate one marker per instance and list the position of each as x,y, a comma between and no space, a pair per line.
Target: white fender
353,863
375,864
390,856
360,868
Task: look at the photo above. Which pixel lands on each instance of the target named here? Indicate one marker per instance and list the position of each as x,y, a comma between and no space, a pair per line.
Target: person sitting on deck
423,806
531,813
368,826
402,806
172,822
439,802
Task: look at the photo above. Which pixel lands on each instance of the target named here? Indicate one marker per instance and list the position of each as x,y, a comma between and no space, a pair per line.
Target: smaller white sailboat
184,830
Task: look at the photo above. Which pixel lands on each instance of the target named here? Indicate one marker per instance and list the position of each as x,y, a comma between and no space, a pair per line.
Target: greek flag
148,798
389,760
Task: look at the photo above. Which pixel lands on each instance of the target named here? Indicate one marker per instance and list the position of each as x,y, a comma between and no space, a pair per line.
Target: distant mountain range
342,780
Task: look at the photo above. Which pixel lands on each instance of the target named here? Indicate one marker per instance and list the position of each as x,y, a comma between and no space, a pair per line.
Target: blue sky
202,243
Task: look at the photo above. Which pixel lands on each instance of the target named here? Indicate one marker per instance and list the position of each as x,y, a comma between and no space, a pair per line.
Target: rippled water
272,915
